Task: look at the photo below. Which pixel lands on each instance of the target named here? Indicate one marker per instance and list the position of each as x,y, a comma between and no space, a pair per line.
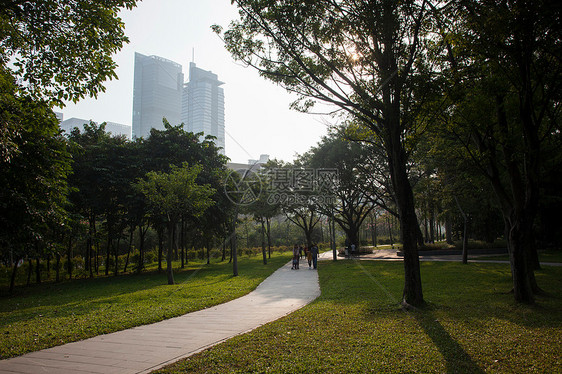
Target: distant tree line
170,182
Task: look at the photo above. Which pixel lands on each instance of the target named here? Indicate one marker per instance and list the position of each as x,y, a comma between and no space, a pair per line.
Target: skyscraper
157,93
203,104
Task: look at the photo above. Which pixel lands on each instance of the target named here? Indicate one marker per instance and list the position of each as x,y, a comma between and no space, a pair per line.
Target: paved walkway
146,348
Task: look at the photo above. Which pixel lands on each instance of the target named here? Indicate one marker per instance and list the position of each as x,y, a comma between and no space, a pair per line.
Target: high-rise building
157,94
203,104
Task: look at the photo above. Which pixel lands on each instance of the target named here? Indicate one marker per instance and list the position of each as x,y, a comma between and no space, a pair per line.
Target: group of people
311,255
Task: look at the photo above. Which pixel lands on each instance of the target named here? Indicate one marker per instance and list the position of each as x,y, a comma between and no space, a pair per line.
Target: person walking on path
314,251
309,258
296,257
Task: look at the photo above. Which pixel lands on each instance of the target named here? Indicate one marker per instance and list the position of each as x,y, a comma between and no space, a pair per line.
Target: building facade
116,129
203,104
157,94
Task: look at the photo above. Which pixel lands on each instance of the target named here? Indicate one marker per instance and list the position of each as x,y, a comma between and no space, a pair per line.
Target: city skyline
258,118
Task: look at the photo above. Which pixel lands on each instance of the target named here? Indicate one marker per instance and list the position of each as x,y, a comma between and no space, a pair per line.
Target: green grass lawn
49,314
471,325
545,255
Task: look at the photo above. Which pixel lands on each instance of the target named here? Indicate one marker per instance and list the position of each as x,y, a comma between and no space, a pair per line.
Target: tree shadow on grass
456,358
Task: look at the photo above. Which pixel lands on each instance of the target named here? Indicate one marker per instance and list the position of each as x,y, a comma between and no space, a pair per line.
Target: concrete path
146,348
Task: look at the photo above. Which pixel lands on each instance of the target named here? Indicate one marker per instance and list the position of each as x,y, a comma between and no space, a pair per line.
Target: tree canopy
359,56
61,50
486,71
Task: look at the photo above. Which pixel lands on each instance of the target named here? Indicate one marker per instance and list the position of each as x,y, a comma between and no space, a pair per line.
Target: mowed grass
47,315
471,325
545,255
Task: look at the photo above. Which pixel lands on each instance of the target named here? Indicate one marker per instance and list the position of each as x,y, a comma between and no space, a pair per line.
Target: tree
354,199
90,154
50,51
262,208
504,64
305,216
34,165
173,146
357,55
62,50
171,194
239,187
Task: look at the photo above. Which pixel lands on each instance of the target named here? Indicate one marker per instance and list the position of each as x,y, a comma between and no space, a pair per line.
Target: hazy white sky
257,116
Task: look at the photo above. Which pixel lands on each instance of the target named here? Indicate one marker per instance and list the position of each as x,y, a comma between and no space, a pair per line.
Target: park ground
470,323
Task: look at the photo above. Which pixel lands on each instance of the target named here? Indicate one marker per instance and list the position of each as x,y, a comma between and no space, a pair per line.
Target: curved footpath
146,348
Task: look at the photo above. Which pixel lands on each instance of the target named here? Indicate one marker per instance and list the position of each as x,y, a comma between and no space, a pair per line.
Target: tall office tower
157,93
203,104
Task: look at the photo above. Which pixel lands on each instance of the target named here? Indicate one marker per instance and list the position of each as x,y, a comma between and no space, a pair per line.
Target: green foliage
62,50
471,326
116,164
175,193
50,52
356,189
34,165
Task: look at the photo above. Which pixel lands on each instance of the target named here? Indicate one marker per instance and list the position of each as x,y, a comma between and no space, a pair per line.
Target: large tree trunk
409,226
129,247
37,270
182,242
521,211
91,255
374,229
465,233
87,259
169,254
465,242
233,243
333,247
116,249
352,232
107,250
448,230
69,257
432,224
29,270
264,254
57,270
142,235
13,276
96,251
160,245
518,238
268,236
390,232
